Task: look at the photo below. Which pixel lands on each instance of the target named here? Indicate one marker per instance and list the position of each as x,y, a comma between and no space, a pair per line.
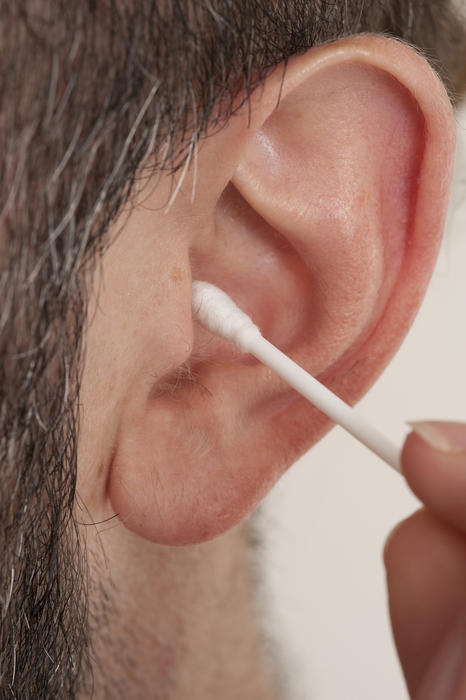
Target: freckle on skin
176,275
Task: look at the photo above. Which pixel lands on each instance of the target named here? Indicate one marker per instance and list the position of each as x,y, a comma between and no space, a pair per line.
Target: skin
180,436
425,558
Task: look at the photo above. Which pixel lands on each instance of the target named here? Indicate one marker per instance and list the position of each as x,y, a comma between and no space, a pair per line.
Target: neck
176,622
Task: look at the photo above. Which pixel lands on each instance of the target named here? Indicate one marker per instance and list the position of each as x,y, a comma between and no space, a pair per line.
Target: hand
425,558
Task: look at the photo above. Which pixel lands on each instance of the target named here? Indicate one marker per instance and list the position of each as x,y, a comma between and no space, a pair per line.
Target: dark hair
90,92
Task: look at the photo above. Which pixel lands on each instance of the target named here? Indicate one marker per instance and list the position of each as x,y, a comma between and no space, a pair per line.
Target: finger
438,476
426,577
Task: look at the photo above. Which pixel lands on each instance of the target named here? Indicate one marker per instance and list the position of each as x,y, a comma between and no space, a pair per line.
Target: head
145,144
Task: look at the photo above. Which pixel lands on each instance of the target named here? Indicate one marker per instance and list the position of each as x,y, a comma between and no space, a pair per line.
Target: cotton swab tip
220,315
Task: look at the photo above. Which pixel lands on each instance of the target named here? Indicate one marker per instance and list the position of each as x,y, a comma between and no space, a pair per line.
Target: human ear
319,209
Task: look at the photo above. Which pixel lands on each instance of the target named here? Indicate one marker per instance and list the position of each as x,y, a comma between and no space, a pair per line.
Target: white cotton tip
220,315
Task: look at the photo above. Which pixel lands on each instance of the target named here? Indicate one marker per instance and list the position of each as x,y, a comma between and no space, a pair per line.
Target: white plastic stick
219,314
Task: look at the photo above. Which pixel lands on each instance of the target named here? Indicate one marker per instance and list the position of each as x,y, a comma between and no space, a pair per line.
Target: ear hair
180,379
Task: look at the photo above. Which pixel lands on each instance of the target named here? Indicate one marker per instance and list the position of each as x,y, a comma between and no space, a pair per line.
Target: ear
320,209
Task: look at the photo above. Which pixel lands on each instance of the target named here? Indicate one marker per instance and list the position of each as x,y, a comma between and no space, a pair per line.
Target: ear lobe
332,219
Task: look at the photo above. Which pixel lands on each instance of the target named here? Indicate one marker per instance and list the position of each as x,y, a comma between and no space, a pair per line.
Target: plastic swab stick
220,315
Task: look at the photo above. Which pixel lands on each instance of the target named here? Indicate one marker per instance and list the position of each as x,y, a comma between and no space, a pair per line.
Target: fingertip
426,579
437,477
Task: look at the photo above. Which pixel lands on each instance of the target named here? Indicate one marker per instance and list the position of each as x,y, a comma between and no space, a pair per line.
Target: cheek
139,329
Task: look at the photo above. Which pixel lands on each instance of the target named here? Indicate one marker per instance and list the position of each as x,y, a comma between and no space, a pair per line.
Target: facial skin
180,437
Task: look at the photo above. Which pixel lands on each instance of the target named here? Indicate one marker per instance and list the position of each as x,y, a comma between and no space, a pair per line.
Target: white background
326,521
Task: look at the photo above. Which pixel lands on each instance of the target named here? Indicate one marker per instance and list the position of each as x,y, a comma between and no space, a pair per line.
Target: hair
90,94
